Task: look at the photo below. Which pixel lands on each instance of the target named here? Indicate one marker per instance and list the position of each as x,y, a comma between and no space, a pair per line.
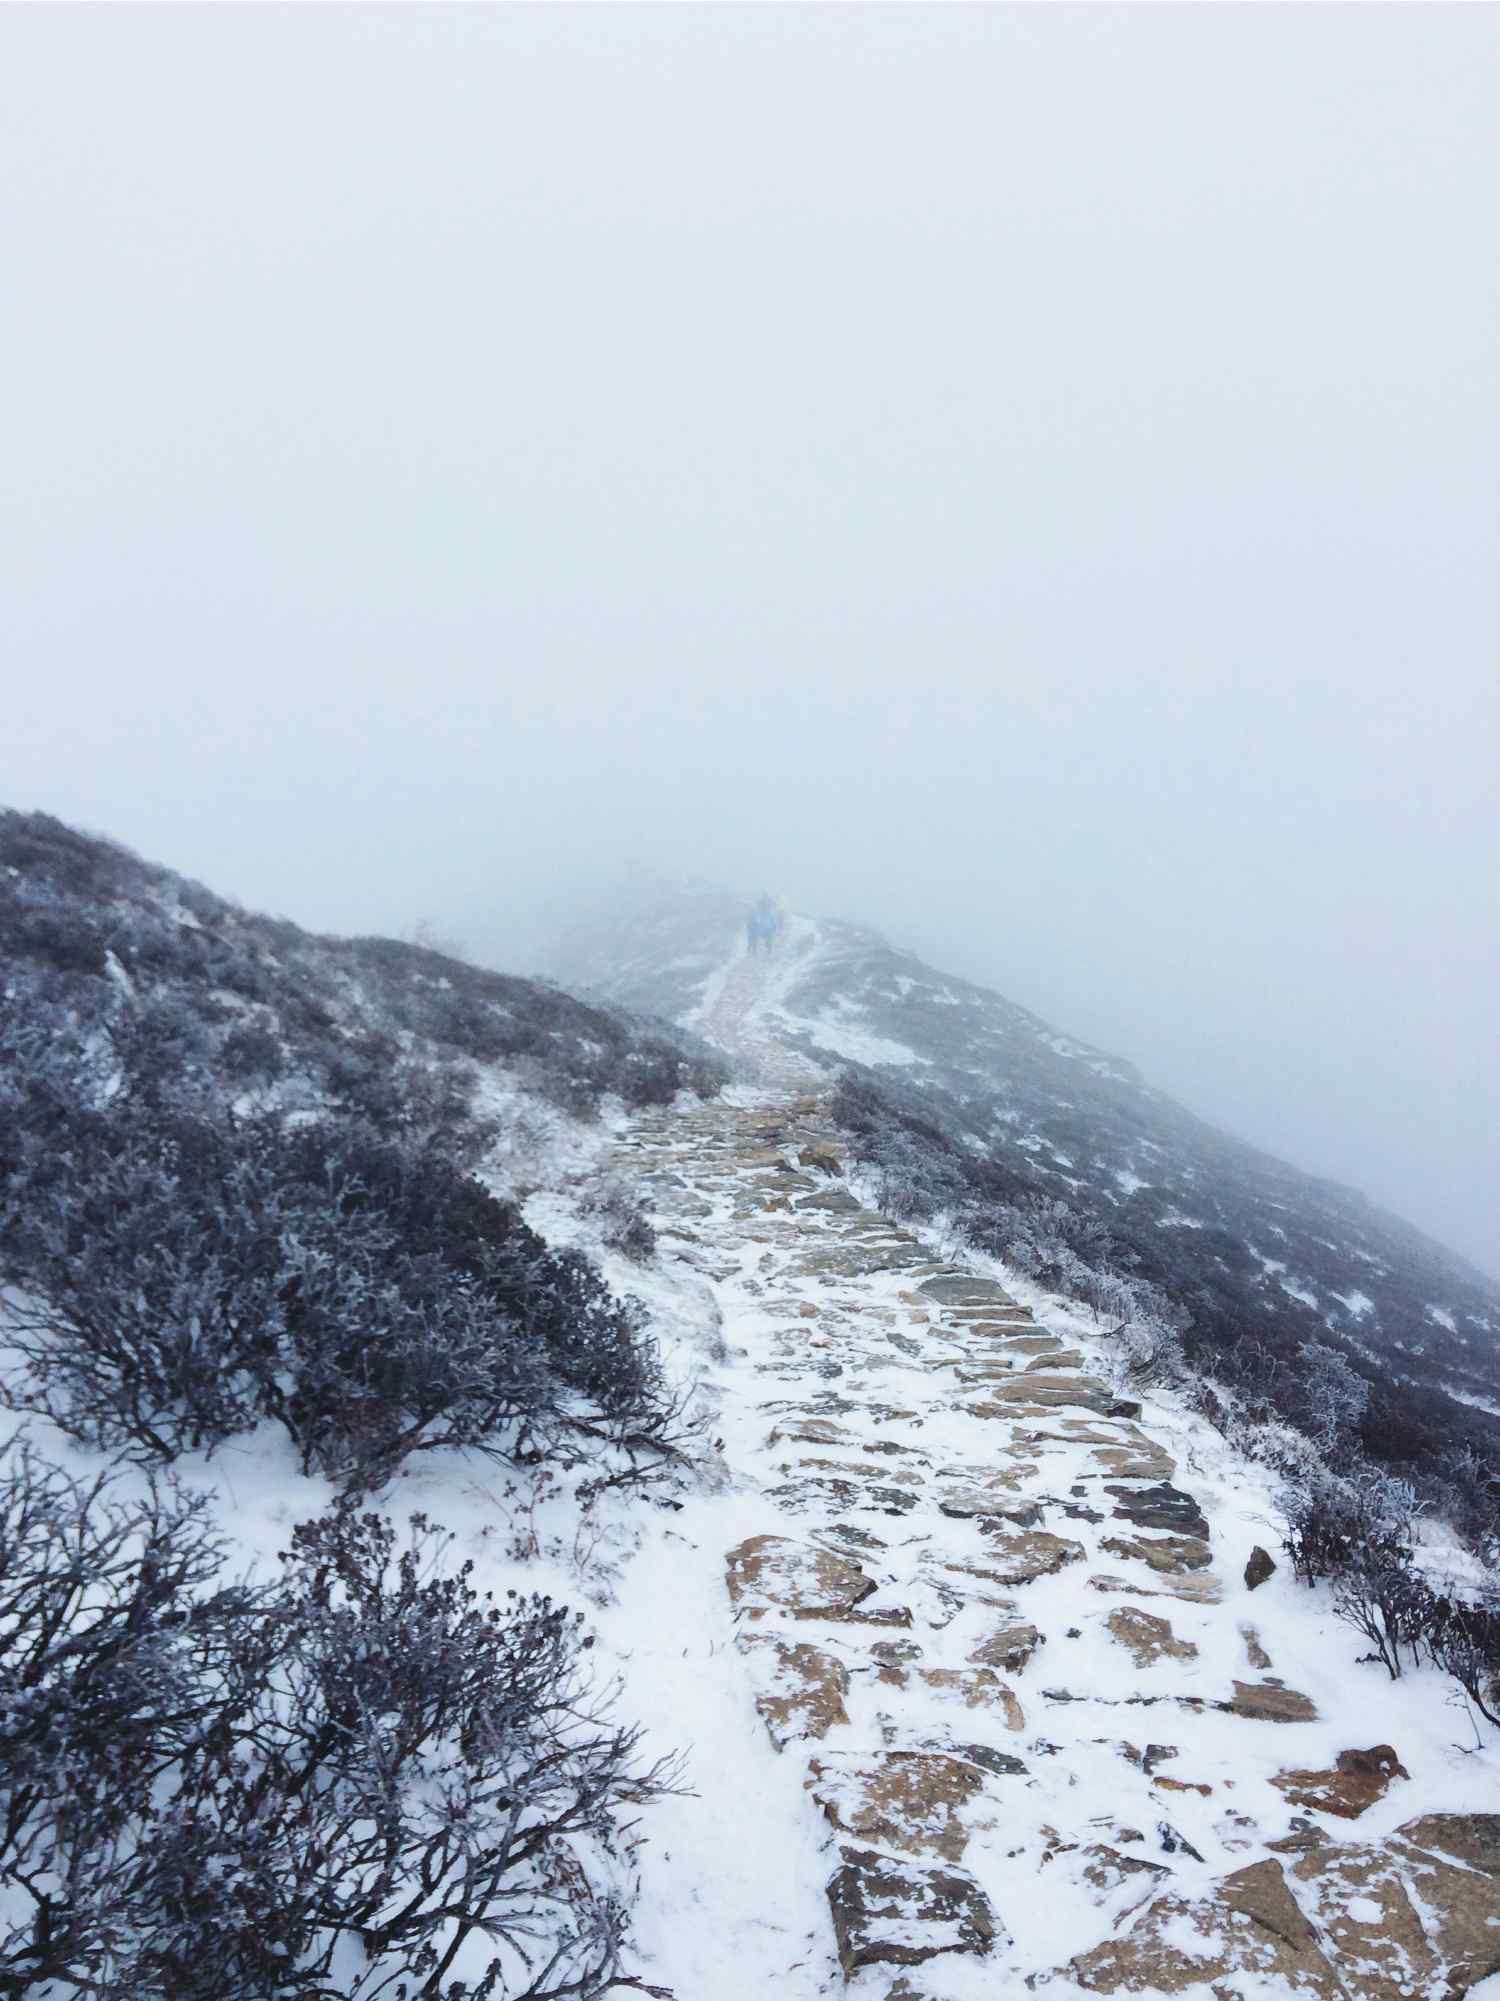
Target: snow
1443,1318
860,1045
732,1869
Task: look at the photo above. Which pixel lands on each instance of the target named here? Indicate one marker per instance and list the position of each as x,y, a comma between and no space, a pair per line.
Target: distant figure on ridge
763,924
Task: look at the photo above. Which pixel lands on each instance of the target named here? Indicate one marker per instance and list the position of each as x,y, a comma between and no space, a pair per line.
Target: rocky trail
1010,1647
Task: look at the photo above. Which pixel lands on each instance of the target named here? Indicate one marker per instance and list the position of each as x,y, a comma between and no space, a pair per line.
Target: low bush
367,1779
624,1223
175,1279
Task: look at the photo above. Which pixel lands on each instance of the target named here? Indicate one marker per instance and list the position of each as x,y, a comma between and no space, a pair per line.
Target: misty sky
1025,478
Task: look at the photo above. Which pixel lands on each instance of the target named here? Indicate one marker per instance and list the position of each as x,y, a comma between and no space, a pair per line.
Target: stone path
987,1618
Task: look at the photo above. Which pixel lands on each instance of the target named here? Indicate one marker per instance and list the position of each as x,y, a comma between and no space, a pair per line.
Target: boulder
1160,1507
1148,1638
887,1913
1259,1567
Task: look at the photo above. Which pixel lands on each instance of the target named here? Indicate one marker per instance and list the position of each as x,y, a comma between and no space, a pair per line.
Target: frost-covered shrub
367,1779
1337,1523
176,1279
121,1654
1464,1641
1388,1601
250,1053
1149,1351
624,1223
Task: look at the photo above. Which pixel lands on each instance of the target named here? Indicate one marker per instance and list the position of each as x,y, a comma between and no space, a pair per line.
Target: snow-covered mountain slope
977,1690
930,1647
1264,1259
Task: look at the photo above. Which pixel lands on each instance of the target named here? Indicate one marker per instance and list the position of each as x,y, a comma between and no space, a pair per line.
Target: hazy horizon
1022,478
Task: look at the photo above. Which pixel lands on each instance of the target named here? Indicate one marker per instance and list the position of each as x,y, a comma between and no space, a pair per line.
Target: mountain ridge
1241,1239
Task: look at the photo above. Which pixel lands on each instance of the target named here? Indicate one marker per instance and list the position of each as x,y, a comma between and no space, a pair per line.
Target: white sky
1022,476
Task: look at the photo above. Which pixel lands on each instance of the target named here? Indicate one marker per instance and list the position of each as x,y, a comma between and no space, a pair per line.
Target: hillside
515,1497
1061,1157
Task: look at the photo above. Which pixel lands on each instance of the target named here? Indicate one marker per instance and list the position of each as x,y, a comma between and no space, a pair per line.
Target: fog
1022,478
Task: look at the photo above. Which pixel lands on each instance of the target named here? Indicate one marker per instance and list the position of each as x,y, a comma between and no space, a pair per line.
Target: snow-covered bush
175,1279
366,1779
624,1222
1339,1522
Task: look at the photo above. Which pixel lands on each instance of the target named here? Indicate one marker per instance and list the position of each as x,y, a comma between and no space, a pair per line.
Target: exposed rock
909,1801
1255,1653
821,1157
1059,1358
806,1696
769,1571
988,1479
962,1503
1250,1924
834,1200
892,1659
962,1289
887,1914
1000,1764
1168,1555
1010,1647
1150,1758
1356,1780
1369,1926
810,1431
1201,1590
1416,1914
1260,1566
1148,1637
1160,1507
1106,1868
1145,1461
1017,1559
848,1539
976,1688
1453,1863
1043,1393
1269,1702
797,1496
